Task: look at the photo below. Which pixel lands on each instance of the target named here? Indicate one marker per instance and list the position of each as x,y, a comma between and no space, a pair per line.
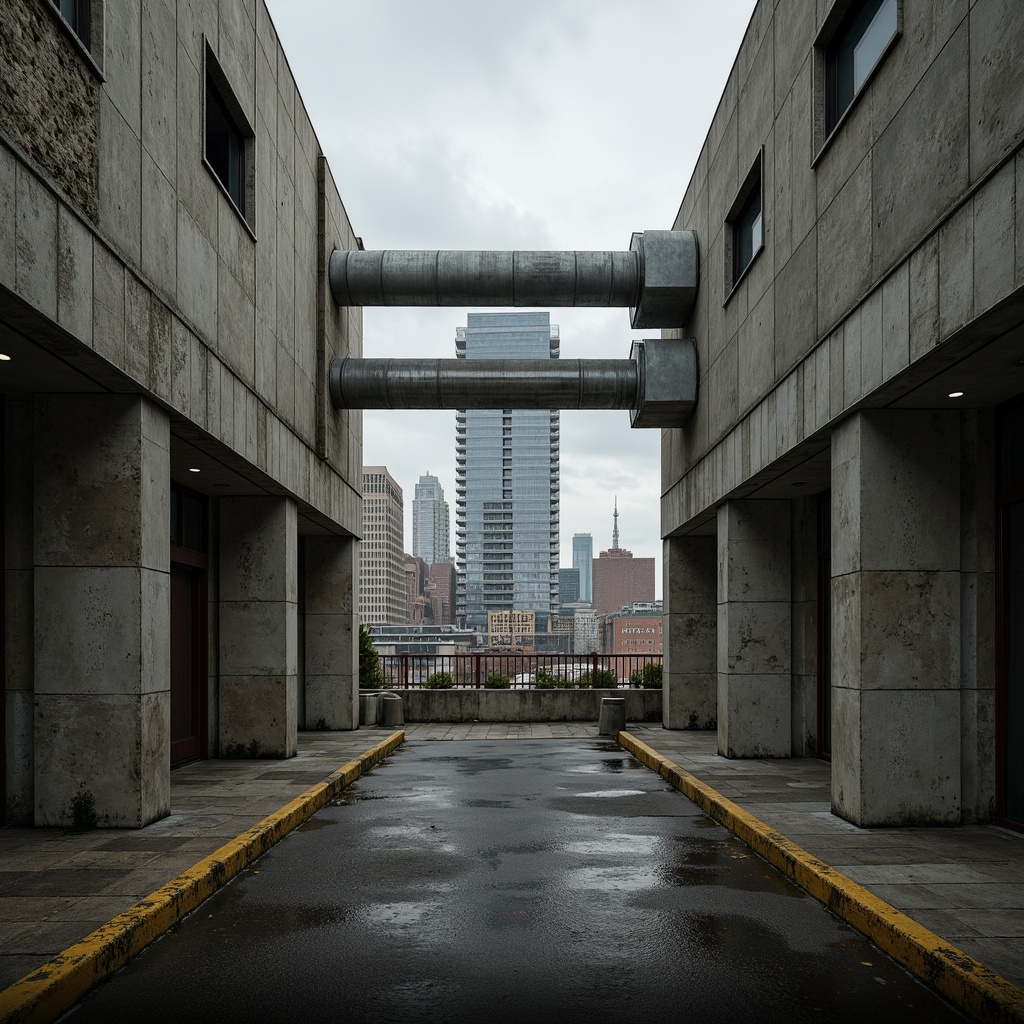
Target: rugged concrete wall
691,623
754,629
331,630
524,705
50,98
804,703
896,599
258,627
101,610
903,230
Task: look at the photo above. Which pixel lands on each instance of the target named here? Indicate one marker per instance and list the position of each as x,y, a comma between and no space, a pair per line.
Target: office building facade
507,483
430,521
568,586
382,583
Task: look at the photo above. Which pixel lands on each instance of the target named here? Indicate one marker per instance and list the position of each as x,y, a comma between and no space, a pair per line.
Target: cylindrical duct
484,278
484,384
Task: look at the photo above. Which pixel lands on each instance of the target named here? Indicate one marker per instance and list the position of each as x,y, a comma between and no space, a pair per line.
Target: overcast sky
514,124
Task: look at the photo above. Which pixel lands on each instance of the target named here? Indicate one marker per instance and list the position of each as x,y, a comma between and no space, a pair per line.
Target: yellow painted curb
47,992
966,982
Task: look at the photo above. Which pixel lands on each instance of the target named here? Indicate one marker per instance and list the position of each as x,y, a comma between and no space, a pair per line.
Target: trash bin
390,712
613,716
369,707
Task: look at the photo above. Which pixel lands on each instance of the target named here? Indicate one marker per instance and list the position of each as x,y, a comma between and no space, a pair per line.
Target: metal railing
518,671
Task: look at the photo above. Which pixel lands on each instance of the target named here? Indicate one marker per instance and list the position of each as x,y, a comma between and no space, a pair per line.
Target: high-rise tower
583,559
507,483
430,519
382,595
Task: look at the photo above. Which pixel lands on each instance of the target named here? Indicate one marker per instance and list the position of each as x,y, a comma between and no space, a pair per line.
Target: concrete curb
966,982
50,990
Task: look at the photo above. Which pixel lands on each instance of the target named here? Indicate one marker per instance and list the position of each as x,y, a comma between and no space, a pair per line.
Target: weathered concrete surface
527,881
524,705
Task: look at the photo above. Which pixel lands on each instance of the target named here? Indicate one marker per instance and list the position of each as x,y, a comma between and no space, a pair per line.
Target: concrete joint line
47,992
967,983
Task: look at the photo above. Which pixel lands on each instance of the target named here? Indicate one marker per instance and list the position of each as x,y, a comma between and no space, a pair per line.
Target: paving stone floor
966,884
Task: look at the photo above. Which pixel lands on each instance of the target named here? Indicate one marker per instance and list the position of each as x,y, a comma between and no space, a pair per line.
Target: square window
228,142
744,224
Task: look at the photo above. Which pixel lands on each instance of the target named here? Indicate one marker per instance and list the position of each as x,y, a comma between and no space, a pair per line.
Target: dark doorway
189,631
824,626
1010,620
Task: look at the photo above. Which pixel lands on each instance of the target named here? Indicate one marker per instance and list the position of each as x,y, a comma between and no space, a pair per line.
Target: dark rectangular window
854,51
77,14
225,146
747,232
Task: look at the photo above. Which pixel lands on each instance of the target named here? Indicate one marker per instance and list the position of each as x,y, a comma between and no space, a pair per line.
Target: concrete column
691,619
101,610
332,633
19,637
896,618
258,641
754,629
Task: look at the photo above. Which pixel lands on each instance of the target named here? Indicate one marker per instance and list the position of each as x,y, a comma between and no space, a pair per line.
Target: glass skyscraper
430,521
507,483
583,559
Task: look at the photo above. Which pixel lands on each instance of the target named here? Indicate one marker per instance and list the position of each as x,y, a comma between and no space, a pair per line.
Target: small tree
370,675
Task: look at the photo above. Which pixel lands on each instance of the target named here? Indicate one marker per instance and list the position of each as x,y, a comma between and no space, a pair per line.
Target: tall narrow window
747,234
744,234
853,53
229,145
225,146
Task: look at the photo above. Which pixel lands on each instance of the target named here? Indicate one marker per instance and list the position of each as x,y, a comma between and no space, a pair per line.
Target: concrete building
582,557
843,512
430,521
418,609
382,584
507,480
632,634
511,630
180,500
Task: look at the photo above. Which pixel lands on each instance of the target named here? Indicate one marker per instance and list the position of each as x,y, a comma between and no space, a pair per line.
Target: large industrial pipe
484,383
656,279
525,278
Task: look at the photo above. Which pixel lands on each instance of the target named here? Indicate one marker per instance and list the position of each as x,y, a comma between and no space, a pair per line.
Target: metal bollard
369,708
391,709
613,716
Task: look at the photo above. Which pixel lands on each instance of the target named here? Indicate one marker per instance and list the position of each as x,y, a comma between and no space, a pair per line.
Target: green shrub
496,681
545,680
649,677
439,681
604,678
370,675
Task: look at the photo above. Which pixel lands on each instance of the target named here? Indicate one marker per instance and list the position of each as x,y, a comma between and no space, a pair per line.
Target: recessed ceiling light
956,394
4,357
192,469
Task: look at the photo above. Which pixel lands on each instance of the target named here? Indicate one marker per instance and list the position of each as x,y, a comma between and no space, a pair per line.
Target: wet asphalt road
530,880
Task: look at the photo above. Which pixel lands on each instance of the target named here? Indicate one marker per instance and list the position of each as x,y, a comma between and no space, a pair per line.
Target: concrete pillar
258,638
101,610
691,619
754,629
332,633
896,618
19,637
